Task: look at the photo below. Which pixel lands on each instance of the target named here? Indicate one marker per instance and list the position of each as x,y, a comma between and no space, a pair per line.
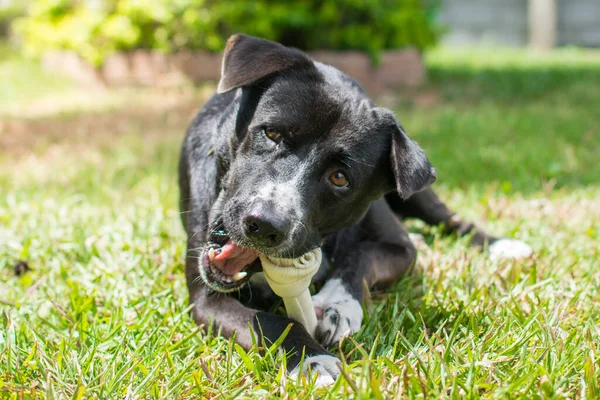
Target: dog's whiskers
192,237
211,209
198,249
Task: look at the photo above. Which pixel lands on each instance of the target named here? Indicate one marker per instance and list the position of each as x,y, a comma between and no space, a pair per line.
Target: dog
290,155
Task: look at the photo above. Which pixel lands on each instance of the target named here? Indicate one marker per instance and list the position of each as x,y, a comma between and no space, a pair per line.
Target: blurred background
96,95
103,62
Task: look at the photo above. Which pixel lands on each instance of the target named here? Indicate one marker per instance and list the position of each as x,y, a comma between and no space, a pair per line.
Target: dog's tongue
233,258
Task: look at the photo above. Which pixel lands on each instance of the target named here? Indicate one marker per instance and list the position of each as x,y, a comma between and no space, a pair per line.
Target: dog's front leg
369,263
230,316
375,253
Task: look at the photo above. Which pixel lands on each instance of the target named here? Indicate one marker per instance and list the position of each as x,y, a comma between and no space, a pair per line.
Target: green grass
103,313
22,81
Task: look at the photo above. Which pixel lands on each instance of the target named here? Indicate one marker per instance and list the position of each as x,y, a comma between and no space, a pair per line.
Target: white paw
339,314
324,367
509,248
416,238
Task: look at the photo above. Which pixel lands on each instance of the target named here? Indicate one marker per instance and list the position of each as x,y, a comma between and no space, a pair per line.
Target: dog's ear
248,59
411,169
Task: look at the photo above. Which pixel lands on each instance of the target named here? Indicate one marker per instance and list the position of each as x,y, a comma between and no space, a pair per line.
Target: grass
22,80
90,200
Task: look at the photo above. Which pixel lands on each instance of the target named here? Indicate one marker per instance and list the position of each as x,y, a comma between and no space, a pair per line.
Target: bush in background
8,14
97,28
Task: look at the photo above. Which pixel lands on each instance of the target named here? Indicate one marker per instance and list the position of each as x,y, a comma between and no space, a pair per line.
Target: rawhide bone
290,279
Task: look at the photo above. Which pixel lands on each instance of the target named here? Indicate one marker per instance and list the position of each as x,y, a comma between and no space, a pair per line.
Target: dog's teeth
239,275
211,254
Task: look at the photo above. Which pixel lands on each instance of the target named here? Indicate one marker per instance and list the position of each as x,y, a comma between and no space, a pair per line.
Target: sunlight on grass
27,91
23,81
507,58
103,312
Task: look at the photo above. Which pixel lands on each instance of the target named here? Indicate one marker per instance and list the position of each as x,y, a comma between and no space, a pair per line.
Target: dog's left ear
411,169
248,59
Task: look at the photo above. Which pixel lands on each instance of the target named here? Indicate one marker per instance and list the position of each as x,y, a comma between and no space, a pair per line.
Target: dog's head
307,154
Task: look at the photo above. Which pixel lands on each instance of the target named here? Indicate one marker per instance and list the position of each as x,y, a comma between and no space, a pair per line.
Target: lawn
89,199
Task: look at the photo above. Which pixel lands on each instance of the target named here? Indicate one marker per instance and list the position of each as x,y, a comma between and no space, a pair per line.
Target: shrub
95,29
8,15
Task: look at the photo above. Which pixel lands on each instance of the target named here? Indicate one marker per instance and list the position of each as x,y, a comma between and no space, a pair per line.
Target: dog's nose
265,230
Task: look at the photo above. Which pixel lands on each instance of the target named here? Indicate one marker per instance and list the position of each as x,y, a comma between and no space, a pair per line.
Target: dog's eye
273,135
339,179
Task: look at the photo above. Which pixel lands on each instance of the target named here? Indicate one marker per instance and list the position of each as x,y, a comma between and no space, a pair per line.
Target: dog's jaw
210,283
216,279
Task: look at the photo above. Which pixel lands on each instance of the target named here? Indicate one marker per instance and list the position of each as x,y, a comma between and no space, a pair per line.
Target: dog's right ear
248,59
411,170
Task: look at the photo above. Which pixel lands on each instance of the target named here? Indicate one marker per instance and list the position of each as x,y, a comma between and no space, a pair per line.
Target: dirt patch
149,114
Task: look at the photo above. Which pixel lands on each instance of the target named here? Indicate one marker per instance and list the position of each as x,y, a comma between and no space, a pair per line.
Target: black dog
292,155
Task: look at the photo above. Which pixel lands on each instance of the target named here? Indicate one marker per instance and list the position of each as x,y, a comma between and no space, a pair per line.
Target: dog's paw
324,367
339,320
509,248
339,314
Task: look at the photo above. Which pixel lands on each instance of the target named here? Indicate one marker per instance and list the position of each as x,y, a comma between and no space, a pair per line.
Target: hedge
95,29
8,14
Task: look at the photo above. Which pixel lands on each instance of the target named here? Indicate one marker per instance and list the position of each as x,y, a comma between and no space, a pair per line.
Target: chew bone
290,279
